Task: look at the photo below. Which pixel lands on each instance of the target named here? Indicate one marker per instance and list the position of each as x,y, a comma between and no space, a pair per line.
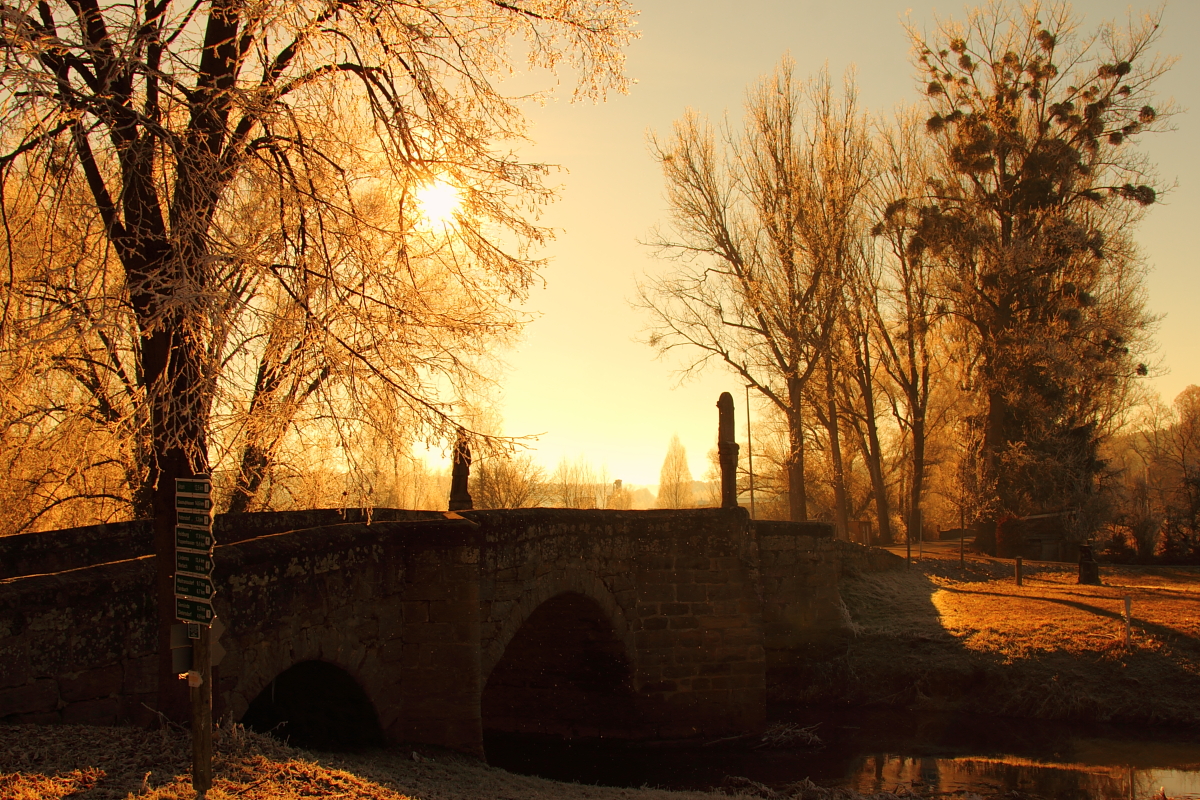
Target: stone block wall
392,604
79,646
54,551
677,586
419,612
799,574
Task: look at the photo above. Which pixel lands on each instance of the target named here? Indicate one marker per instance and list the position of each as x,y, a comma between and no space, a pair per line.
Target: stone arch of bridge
546,587
273,653
316,705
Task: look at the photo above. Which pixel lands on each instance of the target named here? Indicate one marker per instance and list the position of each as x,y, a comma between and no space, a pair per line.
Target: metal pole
202,715
962,529
908,540
1128,620
750,451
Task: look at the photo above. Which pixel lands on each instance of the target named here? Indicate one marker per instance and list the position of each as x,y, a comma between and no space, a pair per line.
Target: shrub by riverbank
940,637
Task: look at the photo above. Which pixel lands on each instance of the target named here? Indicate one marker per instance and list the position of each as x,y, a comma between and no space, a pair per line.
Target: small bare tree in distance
620,498
675,478
573,484
502,481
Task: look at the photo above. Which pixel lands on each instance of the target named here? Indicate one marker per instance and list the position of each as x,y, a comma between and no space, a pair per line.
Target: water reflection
873,751
930,775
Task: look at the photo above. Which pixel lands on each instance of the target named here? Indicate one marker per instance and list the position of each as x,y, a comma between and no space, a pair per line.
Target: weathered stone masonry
420,609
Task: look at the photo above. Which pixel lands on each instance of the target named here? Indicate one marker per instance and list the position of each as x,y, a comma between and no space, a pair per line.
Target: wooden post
920,534
1128,620
1018,570
202,714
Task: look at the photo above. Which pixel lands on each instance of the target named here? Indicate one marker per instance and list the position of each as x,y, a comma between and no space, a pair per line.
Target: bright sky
582,380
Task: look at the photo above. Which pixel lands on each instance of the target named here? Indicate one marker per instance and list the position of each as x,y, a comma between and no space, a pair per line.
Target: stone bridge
412,626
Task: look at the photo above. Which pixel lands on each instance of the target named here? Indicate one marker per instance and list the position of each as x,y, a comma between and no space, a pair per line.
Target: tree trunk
917,484
252,468
840,513
993,443
874,455
172,367
797,494
251,473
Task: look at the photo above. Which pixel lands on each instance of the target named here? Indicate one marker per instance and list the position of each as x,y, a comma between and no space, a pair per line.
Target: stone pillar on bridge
727,451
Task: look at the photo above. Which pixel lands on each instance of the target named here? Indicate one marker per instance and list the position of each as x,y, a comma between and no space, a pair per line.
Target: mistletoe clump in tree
1030,212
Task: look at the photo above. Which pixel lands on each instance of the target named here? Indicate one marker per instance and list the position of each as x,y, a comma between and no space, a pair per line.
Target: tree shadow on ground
918,642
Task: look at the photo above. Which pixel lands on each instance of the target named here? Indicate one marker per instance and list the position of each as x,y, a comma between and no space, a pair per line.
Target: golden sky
582,380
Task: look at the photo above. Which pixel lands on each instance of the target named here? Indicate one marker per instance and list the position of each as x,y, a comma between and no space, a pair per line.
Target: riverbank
87,763
92,763
941,637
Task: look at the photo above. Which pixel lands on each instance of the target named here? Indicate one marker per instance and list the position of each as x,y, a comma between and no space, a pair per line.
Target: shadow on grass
1143,625
902,653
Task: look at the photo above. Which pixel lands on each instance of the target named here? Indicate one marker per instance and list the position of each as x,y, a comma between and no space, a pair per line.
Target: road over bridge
412,626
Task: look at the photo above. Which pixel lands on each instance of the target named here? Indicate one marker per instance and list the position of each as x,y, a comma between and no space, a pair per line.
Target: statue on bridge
460,495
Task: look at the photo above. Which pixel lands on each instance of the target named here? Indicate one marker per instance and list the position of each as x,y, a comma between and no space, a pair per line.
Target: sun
439,201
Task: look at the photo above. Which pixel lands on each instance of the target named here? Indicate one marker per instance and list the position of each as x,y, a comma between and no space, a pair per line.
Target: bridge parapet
44,552
419,612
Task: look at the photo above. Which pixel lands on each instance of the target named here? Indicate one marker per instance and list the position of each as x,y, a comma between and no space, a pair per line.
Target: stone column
727,451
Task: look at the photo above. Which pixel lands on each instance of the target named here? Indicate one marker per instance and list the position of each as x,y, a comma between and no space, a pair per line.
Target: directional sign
195,587
193,611
193,486
195,563
193,539
189,503
193,519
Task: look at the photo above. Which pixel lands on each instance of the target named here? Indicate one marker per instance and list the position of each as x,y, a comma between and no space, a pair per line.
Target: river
875,750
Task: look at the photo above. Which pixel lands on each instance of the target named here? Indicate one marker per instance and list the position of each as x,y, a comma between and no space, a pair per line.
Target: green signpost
197,540
193,563
194,590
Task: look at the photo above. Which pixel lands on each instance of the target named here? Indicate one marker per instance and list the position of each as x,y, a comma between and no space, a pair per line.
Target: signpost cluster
194,587
194,590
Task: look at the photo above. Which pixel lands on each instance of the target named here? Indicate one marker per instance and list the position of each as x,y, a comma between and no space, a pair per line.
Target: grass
87,763
945,637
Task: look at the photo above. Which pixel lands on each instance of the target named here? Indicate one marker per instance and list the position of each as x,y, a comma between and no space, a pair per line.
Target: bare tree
898,305
675,477
508,482
619,498
1170,446
577,484
175,116
760,229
